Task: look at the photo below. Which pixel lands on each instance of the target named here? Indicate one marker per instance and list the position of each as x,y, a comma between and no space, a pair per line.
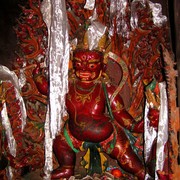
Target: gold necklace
84,97
84,89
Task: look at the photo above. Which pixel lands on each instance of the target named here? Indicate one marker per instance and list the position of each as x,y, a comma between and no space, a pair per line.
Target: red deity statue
89,122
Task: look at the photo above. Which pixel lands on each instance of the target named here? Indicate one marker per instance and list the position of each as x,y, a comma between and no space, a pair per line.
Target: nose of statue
84,66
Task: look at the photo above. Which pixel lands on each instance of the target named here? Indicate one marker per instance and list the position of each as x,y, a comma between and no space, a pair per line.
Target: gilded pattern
126,121
83,97
118,107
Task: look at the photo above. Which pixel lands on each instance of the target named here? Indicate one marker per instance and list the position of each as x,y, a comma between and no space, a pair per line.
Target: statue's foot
62,173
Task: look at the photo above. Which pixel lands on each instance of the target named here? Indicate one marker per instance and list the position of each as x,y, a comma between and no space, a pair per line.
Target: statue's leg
66,158
125,156
128,160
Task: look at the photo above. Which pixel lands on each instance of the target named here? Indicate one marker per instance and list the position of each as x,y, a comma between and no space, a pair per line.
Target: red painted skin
88,122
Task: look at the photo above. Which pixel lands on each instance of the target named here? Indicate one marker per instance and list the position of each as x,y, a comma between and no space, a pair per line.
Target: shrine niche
91,94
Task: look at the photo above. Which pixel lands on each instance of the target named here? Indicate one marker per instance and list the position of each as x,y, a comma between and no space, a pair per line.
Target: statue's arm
121,115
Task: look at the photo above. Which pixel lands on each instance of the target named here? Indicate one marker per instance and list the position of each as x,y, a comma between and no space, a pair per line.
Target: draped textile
54,15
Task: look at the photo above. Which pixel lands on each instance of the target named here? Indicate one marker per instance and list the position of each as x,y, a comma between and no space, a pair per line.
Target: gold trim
152,98
119,107
126,121
88,61
84,97
124,67
82,125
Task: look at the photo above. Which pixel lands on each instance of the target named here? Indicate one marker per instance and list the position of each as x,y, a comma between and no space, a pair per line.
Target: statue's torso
86,109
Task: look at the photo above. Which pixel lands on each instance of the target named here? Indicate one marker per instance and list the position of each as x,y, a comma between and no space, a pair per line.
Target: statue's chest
91,102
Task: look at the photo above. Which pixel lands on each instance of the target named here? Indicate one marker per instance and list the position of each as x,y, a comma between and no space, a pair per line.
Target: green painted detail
107,101
111,143
94,159
130,136
152,85
132,140
68,139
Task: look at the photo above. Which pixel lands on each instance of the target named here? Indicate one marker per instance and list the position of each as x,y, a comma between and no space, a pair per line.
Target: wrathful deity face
87,65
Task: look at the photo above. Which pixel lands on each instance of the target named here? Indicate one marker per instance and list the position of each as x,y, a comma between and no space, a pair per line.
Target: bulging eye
78,64
92,66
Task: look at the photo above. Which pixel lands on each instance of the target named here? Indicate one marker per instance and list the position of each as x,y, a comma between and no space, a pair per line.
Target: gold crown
91,38
101,43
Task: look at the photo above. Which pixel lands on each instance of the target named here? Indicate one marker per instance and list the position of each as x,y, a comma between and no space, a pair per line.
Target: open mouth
85,74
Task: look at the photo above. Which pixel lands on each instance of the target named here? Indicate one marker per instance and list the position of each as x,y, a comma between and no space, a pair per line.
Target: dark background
10,11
